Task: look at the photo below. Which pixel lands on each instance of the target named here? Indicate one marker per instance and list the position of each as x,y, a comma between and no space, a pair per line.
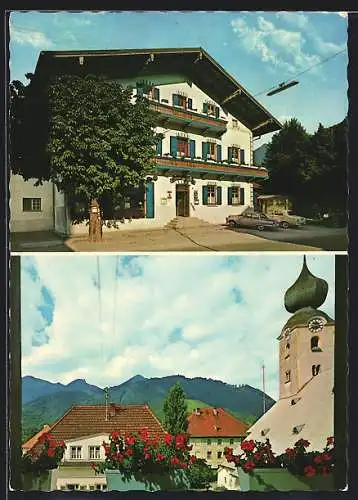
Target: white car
288,219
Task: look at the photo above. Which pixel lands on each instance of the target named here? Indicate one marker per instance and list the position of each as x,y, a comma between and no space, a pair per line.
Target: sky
107,318
259,48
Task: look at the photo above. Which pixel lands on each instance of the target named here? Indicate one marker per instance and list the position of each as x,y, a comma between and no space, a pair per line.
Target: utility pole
106,400
263,388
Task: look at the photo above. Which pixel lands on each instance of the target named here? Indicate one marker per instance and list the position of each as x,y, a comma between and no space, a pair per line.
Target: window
208,455
94,452
182,146
287,345
72,487
316,370
208,441
211,195
91,487
104,487
211,109
235,195
98,486
235,151
231,441
315,344
235,123
153,93
180,100
220,454
212,148
288,376
76,452
83,487
220,441
31,204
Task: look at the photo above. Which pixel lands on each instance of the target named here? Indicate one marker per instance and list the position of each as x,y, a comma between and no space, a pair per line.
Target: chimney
112,410
197,411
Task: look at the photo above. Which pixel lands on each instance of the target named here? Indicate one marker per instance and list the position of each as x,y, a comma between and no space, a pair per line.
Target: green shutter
205,195
190,103
156,94
218,195
218,152
242,156
229,154
205,149
159,146
229,195
173,146
217,112
242,196
175,100
192,148
205,107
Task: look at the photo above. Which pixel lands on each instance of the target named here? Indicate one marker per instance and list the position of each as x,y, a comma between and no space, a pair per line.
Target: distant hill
260,154
45,402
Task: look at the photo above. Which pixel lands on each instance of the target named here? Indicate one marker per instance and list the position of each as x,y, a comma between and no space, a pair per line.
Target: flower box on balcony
282,480
176,480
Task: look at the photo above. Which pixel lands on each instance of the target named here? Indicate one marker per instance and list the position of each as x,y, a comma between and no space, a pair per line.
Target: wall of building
85,443
20,220
203,445
299,358
77,478
228,478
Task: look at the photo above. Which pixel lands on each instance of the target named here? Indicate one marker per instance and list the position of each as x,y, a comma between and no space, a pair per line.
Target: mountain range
45,402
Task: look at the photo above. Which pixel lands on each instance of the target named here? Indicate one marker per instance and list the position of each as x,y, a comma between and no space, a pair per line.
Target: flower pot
170,481
36,481
282,480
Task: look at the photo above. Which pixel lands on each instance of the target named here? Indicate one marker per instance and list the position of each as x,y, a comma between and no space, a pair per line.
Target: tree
93,142
201,475
175,410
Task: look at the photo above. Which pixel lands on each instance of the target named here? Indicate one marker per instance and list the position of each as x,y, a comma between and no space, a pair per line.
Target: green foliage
201,475
94,142
310,169
175,410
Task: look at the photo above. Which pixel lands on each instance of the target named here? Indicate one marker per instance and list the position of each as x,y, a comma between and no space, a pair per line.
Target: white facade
228,477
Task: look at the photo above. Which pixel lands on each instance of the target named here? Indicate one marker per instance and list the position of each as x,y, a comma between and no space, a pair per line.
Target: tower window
315,344
288,376
316,370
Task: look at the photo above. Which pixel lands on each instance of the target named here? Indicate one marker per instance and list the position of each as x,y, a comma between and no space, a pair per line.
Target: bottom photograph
177,372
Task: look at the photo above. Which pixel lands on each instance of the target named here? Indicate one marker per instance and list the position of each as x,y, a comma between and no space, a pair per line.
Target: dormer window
211,109
76,452
233,154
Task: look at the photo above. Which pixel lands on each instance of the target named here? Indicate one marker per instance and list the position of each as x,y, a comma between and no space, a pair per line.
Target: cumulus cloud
208,316
24,36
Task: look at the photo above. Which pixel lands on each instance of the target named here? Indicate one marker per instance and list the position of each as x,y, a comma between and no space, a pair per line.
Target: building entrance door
182,200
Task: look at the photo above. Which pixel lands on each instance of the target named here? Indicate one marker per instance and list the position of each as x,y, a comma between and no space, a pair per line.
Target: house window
83,487
220,454
94,452
104,487
235,195
91,487
180,100
212,148
98,486
208,441
211,195
235,154
182,146
208,455
220,441
76,452
231,441
235,123
153,93
73,487
31,204
288,376
315,344
316,370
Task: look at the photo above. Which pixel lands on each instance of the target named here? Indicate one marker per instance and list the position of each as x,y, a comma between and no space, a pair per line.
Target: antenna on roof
263,388
106,390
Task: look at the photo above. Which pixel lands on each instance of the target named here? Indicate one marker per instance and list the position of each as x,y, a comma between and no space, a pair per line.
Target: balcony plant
36,465
298,469
141,461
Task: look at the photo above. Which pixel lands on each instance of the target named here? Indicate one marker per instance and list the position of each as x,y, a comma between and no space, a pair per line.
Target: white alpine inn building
204,164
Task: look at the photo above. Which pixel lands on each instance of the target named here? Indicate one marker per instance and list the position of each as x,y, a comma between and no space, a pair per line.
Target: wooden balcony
186,119
206,169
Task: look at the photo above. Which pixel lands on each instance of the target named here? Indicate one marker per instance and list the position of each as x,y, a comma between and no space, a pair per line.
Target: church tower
307,339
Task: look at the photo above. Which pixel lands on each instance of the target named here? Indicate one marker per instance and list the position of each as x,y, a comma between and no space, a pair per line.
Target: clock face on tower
316,324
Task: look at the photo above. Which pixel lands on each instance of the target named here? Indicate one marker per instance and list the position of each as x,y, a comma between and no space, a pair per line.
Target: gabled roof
30,443
194,63
87,420
215,422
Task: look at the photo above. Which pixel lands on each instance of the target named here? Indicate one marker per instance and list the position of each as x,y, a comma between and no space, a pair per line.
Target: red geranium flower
129,452
174,461
51,452
193,459
248,445
115,436
250,465
130,440
147,456
168,439
160,457
291,452
309,471
318,459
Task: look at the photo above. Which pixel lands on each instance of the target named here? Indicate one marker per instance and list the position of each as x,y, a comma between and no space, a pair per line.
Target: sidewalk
212,238
37,241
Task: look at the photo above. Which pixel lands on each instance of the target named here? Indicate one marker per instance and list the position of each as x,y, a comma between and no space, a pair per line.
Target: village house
30,443
84,428
204,165
211,430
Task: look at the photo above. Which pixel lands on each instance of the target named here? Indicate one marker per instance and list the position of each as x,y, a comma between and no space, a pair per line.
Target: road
327,238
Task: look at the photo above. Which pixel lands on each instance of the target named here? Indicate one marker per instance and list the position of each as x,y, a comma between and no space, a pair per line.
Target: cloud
25,36
209,316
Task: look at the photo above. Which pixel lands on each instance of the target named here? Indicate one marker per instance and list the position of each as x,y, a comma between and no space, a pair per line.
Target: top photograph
177,131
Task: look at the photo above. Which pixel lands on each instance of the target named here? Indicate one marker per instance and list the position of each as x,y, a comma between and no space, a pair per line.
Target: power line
304,71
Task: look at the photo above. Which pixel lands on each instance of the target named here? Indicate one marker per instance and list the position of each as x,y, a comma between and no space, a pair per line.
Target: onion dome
307,291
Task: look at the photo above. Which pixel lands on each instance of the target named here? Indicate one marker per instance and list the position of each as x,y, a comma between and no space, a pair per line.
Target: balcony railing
189,118
210,166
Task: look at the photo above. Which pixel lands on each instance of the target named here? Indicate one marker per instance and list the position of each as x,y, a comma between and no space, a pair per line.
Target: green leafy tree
175,410
201,475
93,143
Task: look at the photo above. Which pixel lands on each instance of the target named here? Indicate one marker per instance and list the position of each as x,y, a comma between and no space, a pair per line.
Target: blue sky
196,315
260,49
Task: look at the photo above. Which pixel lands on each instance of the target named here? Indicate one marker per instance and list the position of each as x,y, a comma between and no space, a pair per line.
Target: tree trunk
95,223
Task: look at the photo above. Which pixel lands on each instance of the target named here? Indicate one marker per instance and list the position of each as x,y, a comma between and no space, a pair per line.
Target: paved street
326,238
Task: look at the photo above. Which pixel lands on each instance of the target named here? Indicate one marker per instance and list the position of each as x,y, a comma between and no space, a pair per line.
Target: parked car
255,220
288,219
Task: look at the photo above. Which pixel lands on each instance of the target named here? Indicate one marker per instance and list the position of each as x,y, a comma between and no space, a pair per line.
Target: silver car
254,220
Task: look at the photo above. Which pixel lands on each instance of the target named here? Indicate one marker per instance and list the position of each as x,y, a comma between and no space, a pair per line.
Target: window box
175,480
36,481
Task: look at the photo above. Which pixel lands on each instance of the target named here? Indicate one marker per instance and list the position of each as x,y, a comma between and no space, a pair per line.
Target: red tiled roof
30,443
212,422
